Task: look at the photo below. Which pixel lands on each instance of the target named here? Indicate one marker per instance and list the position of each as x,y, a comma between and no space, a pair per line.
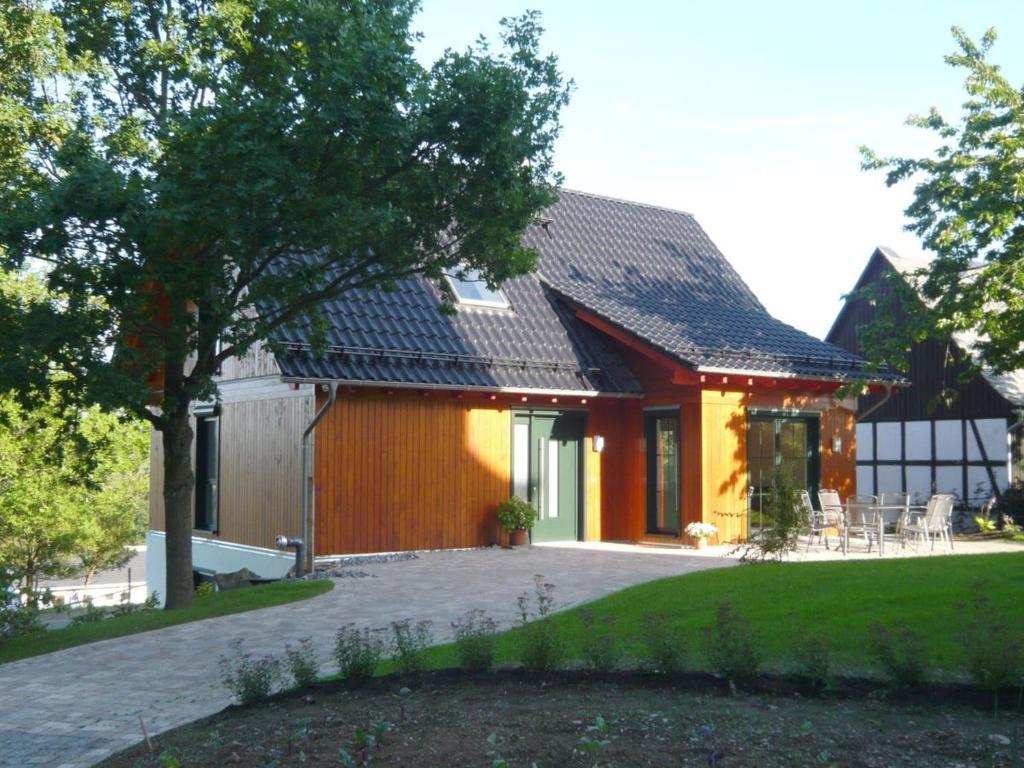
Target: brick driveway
73,708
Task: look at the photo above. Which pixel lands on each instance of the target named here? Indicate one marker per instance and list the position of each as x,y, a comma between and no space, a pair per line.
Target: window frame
205,417
454,281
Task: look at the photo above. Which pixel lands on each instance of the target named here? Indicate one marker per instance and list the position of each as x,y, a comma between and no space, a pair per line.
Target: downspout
307,445
879,404
1010,448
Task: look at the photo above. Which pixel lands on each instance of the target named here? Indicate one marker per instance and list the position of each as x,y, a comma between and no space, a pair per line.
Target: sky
749,115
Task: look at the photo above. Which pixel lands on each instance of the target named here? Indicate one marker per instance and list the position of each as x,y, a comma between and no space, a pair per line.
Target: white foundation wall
217,556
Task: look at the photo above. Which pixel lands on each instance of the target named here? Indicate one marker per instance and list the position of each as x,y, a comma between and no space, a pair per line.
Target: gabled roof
650,272
1009,385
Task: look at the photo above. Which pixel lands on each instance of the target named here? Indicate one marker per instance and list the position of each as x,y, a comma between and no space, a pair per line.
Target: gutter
307,529
461,388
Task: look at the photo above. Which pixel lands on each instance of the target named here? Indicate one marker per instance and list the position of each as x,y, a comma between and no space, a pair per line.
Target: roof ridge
623,201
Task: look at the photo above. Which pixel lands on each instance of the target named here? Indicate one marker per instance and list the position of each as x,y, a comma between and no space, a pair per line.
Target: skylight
473,290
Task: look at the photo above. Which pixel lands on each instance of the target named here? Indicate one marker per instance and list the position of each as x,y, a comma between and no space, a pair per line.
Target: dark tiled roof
652,272
655,274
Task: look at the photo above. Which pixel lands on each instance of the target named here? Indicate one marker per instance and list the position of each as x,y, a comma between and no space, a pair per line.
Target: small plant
90,615
497,761
985,524
302,664
358,652
664,645
205,588
596,740
731,646
515,514
811,651
540,645
994,650
248,678
784,518
365,744
600,645
411,641
900,652
475,641
701,531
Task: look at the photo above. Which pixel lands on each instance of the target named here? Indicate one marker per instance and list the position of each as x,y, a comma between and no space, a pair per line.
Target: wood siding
260,470
400,473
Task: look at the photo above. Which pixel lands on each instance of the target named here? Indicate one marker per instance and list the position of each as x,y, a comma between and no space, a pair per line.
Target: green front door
546,470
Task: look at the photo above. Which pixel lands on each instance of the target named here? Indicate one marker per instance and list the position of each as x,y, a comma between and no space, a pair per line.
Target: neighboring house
632,385
940,434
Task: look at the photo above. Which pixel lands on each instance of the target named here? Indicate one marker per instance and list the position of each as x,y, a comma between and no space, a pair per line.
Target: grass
205,607
840,600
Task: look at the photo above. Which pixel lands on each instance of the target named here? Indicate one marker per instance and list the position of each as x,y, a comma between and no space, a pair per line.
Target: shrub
784,519
1010,507
91,615
411,640
731,646
475,641
302,663
248,678
516,514
540,646
811,652
664,645
600,646
357,652
18,617
994,650
900,652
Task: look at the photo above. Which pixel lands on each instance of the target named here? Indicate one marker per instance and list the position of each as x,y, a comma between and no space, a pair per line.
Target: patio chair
936,522
831,515
861,518
808,516
897,499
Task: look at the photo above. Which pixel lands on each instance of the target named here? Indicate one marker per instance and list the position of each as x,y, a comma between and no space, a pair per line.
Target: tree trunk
179,485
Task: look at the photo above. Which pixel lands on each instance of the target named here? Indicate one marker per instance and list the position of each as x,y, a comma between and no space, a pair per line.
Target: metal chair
897,499
936,522
808,516
829,517
861,518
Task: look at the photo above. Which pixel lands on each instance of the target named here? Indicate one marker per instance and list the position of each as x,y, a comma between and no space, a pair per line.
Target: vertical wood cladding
260,471
401,473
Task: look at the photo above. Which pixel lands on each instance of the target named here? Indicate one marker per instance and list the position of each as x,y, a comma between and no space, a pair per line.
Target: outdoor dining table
885,514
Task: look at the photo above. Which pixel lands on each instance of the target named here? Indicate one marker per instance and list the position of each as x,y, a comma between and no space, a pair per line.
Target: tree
968,209
201,175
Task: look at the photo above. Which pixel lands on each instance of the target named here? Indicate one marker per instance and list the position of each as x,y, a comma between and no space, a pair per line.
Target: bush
1010,507
18,617
475,641
900,652
811,653
600,646
664,645
784,519
731,646
91,615
540,647
248,678
302,663
516,514
411,640
993,649
358,652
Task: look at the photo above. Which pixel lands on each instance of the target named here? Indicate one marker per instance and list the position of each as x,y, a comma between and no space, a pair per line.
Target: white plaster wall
993,437
918,439
949,480
865,479
217,556
865,444
888,447
949,438
890,479
919,483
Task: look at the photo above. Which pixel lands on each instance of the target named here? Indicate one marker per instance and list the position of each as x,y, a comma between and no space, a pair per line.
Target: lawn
839,600
207,606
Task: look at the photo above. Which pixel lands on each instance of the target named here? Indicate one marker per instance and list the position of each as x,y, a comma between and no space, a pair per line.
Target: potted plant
517,517
701,532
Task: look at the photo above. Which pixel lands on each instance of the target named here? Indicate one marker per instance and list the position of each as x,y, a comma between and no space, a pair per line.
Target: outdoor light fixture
837,444
598,443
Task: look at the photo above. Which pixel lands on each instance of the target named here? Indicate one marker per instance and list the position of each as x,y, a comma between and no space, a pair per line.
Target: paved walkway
72,708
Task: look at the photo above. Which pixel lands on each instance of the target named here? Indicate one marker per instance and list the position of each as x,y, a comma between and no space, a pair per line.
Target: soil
450,719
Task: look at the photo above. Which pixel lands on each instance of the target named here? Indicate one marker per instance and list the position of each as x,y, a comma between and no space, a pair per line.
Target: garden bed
448,718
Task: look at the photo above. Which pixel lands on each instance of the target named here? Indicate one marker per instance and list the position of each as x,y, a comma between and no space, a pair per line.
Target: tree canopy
968,210
197,174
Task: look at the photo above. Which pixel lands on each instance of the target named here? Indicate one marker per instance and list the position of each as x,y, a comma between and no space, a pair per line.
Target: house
634,384
942,434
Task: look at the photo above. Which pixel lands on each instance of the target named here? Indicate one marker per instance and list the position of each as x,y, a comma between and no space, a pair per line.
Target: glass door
663,468
546,470
780,444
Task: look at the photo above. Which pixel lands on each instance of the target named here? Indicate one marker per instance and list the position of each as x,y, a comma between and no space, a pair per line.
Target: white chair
861,518
896,499
936,522
830,516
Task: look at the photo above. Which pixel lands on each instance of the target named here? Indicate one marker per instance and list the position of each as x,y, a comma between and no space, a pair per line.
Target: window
207,470
663,467
473,290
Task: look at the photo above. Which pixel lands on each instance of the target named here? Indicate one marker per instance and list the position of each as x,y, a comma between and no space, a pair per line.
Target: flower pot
518,538
701,543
